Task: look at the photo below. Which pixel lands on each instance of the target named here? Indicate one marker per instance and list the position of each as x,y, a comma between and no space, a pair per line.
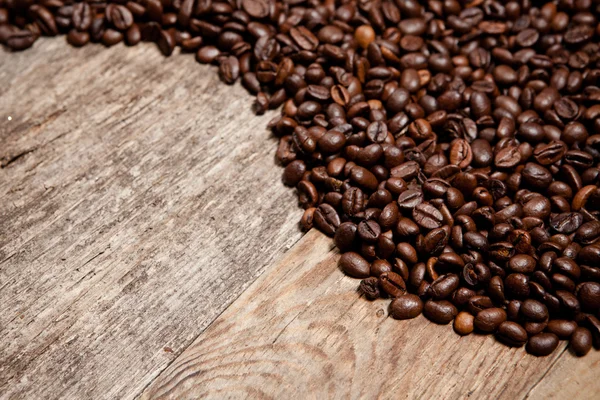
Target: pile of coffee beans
450,147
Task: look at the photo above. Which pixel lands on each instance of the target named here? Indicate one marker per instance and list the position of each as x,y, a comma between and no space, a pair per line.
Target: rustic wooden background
148,249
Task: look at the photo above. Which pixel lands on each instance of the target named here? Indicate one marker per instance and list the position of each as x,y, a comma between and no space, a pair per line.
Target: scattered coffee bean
542,344
407,306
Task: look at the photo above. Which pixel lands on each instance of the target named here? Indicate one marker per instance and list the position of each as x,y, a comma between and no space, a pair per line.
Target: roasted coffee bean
588,294
534,310
294,172
363,177
427,216
353,201
378,267
522,263
407,306
354,265
566,222
443,286
409,199
345,236
392,284
369,231
370,288
489,319
542,344
581,341
326,219
512,334
441,312
463,323
561,328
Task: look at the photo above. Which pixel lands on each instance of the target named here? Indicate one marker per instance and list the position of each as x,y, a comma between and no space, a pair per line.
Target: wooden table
148,249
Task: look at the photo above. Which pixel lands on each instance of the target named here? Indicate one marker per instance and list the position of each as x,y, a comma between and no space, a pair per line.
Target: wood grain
139,197
301,331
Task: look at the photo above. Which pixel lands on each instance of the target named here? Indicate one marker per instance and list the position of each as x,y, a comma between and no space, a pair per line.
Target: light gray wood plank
301,331
139,197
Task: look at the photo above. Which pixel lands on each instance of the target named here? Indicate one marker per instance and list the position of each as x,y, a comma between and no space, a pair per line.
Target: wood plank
139,196
301,331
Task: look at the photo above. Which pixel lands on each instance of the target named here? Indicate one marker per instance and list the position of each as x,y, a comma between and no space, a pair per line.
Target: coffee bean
512,334
489,319
256,8
392,284
370,288
461,153
534,310
463,323
345,235
364,178
566,222
522,263
425,214
326,219
407,306
119,16
409,199
561,328
441,312
542,344
581,341
369,231
304,38
354,265
443,286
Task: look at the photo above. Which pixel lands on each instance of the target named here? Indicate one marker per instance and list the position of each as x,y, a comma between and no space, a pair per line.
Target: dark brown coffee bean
370,288
441,312
82,16
207,54
409,199
507,157
534,310
542,344
461,153
426,215
489,319
566,222
326,219
407,306
522,263
512,334
443,286
369,231
354,265
110,37
364,178
561,328
308,196
581,341
119,16
304,38
256,8
392,284
345,236
78,39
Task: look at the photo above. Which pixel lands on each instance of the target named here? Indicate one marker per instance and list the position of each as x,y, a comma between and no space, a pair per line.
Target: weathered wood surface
301,329
139,196
127,227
